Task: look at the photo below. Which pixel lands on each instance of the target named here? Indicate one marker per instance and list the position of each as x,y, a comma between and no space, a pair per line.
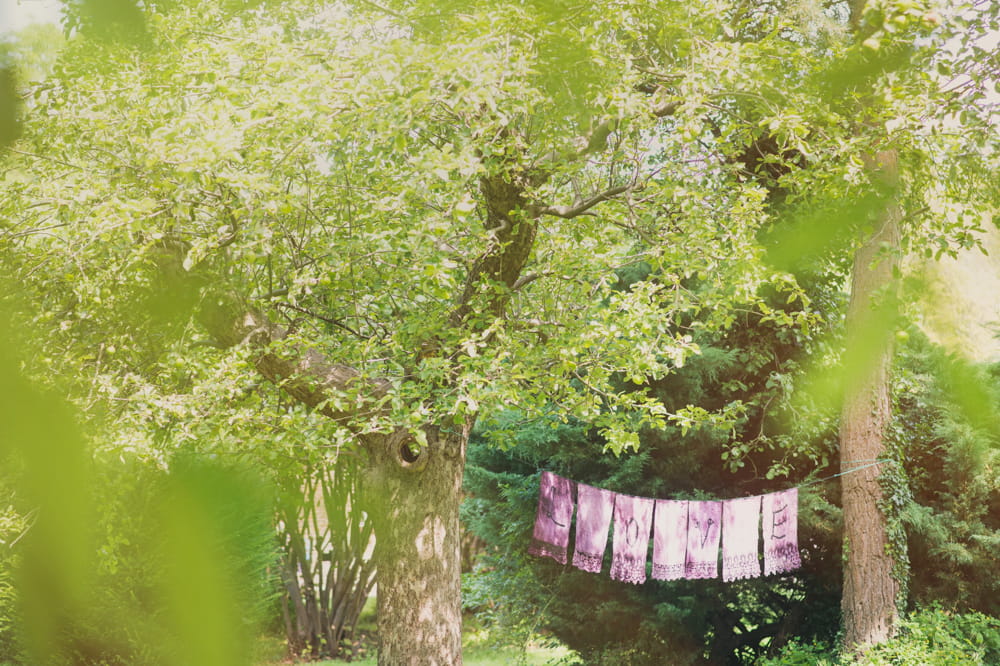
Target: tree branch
337,391
597,140
525,280
329,320
569,212
666,109
513,236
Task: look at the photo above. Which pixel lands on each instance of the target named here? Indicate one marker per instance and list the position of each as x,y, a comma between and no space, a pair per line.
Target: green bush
948,425
183,564
935,636
927,638
797,653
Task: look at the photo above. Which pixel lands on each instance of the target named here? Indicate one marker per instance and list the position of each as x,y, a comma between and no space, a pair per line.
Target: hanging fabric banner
633,521
669,539
740,530
686,534
780,515
594,507
704,531
555,513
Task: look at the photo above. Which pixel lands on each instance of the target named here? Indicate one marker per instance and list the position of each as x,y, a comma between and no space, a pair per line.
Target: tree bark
869,601
414,500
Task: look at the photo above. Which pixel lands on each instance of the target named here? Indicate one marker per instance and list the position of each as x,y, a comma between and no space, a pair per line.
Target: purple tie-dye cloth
555,513
740,520
670,524
633,521
704,530
780,517
594,507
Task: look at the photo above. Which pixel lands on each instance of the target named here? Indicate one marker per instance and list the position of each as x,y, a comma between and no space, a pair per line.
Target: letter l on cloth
555,513
780,516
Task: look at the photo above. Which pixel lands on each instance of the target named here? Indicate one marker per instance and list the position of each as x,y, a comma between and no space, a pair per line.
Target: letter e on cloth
555,514
780,517
633,521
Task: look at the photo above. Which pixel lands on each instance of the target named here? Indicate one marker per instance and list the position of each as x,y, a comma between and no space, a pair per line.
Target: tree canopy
414,217
331,160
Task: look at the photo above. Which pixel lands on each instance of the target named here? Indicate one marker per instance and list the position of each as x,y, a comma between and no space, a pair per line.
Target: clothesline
871,462
686,534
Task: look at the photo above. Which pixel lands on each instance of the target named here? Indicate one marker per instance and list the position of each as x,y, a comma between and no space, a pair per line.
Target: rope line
845,471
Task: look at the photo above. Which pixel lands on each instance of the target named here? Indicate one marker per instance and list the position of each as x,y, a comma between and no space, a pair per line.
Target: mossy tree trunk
870,591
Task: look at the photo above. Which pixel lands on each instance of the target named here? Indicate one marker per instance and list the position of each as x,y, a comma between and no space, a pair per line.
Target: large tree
408,216
874,544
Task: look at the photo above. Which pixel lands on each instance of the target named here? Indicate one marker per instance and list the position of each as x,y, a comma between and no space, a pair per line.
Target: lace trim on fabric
628,572
668,571
543,549
740,566
588,562
700,570
781,559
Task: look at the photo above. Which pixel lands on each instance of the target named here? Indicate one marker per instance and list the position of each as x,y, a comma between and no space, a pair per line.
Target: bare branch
385,10
525,280
329,320
666,109
274,293
597,140
569,212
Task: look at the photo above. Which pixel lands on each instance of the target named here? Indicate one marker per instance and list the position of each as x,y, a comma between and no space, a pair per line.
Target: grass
477,648
485,655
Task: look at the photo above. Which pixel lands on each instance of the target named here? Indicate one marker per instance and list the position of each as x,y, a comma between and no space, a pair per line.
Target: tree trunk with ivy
870,589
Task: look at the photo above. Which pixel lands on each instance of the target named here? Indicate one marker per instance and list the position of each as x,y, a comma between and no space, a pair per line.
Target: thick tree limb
666,109
337,391
512,227
525,280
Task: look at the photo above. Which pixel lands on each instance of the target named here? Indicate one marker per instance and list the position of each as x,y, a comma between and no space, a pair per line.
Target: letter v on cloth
670,527
633,521
594,507
704,530
780,518
555,514
740,520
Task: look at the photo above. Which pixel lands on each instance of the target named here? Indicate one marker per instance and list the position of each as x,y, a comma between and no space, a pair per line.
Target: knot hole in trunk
408,453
